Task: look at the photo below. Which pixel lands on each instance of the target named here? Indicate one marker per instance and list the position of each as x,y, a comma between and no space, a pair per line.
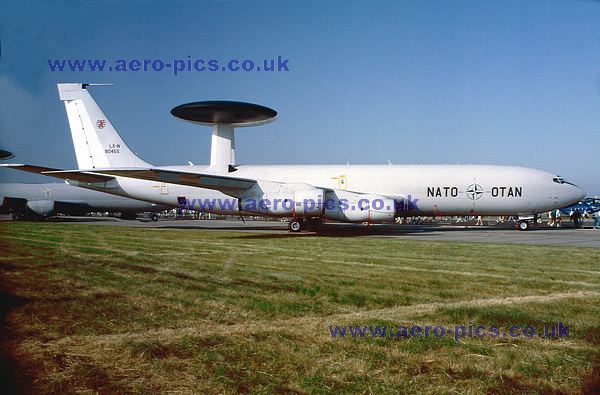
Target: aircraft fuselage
434,189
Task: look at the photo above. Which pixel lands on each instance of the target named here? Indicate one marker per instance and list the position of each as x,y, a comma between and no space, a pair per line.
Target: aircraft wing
233,186
226,184
65,175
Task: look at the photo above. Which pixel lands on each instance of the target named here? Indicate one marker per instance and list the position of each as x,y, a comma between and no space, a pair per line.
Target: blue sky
496,82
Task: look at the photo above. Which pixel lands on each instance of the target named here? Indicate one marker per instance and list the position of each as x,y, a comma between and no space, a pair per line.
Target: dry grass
105,309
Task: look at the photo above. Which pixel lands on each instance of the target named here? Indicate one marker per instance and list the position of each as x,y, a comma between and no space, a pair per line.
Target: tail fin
97,144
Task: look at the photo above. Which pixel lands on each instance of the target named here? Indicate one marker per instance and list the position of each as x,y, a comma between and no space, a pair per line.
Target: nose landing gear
528,223
523,225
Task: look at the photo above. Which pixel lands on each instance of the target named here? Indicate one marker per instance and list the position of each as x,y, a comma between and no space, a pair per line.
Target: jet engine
42,208
295,203
357,207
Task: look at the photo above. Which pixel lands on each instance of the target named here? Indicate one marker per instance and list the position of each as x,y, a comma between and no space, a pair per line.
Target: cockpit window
560,180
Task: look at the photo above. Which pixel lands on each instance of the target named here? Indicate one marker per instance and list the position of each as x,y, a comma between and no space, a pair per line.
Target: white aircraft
36,201
308,194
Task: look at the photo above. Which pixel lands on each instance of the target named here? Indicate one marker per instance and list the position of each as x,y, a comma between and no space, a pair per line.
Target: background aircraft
4,155
29,201
589,205
307,193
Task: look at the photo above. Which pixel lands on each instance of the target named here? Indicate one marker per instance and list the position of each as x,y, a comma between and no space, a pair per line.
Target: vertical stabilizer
97,144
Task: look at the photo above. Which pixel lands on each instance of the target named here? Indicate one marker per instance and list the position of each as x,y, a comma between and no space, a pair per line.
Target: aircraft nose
576,194
580,193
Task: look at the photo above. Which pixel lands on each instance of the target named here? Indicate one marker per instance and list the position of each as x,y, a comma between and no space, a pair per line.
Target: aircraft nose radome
580,193
576,194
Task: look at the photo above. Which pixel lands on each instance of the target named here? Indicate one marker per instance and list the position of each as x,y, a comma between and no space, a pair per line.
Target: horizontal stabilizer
57,173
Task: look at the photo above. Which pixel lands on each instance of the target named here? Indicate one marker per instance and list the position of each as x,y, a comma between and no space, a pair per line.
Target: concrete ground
565,236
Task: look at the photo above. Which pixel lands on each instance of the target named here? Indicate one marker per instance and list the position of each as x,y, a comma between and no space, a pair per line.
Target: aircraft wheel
154,217
295,225
523,225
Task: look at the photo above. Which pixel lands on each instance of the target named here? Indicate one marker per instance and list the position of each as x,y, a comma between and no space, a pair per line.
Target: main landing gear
296,224
300,224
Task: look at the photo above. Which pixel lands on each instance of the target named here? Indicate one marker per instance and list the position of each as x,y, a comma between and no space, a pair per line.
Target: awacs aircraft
308,194
32,201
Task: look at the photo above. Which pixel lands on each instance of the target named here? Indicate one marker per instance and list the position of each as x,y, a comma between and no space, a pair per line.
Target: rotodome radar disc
225,113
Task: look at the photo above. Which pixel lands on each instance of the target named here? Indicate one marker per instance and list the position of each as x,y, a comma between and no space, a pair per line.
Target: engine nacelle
356,207
41,207
295,203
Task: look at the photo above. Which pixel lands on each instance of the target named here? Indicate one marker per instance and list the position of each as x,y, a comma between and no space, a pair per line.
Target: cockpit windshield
560,180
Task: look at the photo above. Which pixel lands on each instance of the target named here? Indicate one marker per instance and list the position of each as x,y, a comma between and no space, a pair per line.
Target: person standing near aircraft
596,219
558,218
551,217
577,219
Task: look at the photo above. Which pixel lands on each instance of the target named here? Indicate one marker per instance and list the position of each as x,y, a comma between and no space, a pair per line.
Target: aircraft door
164,188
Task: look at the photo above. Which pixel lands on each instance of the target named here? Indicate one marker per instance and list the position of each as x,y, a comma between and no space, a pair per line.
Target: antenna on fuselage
223,117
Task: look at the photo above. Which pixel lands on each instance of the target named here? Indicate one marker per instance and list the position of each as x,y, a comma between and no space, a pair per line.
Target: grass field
101,309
